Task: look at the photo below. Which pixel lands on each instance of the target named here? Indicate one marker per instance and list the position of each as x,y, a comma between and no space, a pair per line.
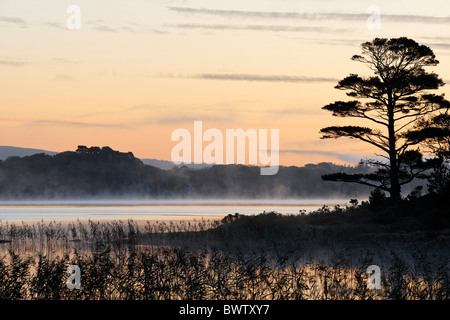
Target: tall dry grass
181,260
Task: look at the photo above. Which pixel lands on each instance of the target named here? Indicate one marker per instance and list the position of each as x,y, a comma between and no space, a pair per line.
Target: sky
136,70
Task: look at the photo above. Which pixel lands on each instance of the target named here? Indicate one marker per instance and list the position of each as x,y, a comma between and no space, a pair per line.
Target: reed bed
131,261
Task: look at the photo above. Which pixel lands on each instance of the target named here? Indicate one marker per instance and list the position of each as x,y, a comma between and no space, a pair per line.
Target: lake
14,211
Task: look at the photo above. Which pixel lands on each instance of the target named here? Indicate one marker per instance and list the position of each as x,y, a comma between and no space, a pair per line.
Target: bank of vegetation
322,255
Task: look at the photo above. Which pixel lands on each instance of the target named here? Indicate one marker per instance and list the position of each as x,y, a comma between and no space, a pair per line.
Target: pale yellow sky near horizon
138,70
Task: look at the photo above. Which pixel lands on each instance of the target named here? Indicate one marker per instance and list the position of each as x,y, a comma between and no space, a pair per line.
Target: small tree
394,99
434,136
377,198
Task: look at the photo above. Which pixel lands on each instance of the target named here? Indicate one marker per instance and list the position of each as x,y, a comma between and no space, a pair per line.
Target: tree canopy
394,99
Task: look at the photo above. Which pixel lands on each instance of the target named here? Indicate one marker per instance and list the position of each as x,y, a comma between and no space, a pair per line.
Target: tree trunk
394,190
395,185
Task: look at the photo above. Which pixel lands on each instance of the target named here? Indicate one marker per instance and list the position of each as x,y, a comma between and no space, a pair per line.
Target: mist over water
176,202
173,209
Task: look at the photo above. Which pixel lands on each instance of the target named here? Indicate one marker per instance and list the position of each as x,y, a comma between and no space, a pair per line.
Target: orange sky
137,71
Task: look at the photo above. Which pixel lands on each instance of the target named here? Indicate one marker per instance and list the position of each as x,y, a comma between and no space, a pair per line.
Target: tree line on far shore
102,172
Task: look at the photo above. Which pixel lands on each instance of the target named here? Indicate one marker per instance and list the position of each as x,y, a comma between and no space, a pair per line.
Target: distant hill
103,173
7,151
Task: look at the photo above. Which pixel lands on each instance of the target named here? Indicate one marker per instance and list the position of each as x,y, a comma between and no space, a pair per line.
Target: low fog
177,202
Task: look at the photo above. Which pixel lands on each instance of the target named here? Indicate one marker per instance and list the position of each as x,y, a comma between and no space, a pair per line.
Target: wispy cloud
290,111
11,119
65,123
129,27
14,63
97,25
57,25
179,119
133,27
260,78
63,60
239,13
353,158
271,28
63,78
62,123
440,45
14,20
146,106
105,29
310,15
416,18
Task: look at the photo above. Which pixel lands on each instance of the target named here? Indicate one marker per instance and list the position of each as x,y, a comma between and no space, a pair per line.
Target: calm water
150,210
